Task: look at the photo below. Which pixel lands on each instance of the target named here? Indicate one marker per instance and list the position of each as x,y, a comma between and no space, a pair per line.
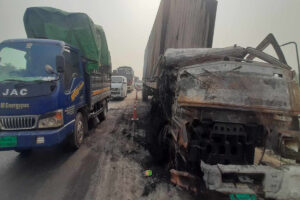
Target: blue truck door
74,84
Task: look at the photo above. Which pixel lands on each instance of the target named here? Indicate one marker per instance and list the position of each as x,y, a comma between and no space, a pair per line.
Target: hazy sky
128,23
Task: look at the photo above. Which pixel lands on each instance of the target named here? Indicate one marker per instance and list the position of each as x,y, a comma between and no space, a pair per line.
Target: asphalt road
109,165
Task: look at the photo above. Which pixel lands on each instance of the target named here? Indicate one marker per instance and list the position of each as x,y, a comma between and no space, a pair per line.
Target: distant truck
128,73
139,85
136,79
51,87
221,117
118,87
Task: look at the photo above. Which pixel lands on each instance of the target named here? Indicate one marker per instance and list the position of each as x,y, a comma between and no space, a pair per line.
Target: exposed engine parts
223,143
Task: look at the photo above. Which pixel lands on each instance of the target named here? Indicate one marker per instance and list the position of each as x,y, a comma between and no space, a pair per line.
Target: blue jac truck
49,89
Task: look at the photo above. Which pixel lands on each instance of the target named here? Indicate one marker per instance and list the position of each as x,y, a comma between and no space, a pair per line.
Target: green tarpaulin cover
76,29
104,53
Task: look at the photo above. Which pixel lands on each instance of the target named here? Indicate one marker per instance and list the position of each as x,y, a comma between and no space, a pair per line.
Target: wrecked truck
225,119
228,117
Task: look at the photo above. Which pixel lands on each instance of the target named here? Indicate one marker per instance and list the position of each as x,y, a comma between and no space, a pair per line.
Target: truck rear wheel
102,116
76,139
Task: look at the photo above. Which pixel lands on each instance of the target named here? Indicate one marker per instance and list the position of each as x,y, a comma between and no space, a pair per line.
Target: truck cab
45,94
118,87
127,72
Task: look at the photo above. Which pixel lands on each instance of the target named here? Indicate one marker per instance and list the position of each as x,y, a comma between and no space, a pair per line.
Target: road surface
109,165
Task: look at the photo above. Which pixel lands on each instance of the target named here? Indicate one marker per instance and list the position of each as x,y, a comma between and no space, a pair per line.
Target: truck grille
17,122
224,143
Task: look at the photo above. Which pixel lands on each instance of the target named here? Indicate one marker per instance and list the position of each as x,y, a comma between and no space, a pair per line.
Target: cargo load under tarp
76,29
104,52
179,24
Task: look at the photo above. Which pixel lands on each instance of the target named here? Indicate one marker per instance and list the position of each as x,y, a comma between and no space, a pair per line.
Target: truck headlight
51,120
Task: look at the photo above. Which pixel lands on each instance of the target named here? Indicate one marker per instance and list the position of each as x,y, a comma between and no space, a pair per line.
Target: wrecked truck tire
155,140
159,148
145,94
176,161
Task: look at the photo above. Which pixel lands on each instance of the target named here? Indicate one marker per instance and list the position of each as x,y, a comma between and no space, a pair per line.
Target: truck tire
145,94
159,146
102,116
24,152
76,138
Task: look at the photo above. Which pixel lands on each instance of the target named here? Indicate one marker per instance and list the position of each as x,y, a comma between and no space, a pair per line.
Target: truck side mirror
60,64
49,69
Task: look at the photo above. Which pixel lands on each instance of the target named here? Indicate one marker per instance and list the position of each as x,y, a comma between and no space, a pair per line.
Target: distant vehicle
136,79
118,87
138,85
128,73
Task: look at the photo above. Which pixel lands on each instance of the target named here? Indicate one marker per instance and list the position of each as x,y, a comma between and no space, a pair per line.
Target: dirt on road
119,145
109,165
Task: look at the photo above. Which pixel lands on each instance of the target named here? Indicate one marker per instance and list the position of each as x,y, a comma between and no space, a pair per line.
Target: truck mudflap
269,182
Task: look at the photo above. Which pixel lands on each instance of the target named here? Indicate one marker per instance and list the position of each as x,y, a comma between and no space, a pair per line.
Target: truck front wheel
76,139
24,152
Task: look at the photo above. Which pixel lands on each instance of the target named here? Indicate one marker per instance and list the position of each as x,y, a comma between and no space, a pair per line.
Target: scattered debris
185,180
148,173
242,197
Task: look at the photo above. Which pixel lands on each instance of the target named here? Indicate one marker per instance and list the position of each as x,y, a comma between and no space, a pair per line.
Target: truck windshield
23,61
116,79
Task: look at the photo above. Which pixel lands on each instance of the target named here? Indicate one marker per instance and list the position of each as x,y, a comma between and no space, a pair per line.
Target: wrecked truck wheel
176,161
179,163
76,139
160,147
145,95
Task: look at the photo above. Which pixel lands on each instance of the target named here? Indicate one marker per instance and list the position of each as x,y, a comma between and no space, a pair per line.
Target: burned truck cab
234,106
230,114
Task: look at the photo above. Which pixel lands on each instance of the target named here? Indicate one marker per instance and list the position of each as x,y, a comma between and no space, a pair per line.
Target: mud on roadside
123,160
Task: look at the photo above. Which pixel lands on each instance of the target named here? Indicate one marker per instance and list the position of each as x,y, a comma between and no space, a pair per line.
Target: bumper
116,95
275,183
26,139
